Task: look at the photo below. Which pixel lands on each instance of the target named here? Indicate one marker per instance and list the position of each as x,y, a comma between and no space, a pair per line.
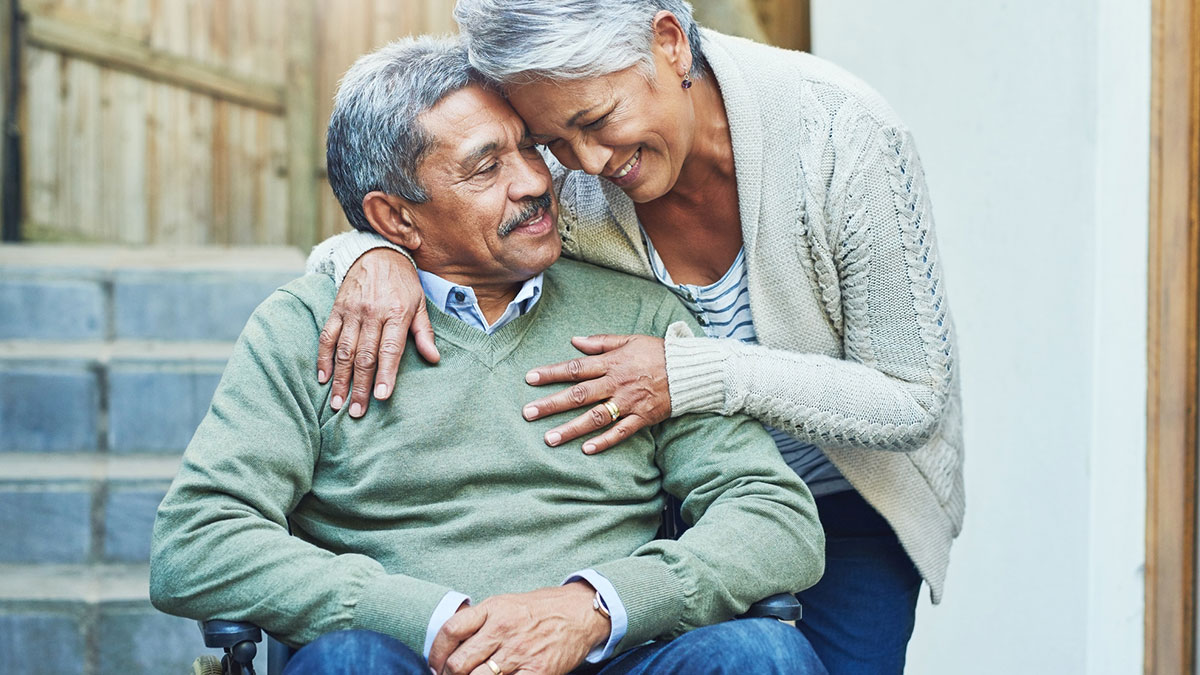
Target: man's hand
379,303
548,631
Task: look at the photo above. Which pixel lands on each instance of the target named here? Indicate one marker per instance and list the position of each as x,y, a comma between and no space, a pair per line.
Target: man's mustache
531,208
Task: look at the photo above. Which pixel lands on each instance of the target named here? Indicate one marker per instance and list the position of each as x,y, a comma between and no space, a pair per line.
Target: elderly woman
784,202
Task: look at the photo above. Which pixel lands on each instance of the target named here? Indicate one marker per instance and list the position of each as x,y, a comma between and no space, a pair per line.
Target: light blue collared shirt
460,302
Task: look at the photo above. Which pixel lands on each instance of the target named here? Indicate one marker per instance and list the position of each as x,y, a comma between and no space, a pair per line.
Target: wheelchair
239,640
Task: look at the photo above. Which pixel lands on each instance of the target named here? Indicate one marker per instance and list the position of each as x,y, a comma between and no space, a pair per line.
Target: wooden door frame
1173,325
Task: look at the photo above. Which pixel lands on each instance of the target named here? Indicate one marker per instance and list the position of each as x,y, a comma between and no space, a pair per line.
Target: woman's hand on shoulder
378,305
621,374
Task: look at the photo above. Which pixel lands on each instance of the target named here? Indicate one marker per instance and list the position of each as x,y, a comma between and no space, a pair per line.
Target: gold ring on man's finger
612,408
495,668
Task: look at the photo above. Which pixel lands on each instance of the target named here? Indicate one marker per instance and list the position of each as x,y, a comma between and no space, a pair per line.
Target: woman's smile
628,173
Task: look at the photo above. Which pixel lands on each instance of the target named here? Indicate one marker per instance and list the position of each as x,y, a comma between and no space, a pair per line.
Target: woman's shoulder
816,82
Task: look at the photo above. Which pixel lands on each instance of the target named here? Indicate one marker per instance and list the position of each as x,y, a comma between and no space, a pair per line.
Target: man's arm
547,631
755,528
221,546
755,531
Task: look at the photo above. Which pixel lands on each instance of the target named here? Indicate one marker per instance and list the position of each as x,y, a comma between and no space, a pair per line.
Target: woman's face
632,130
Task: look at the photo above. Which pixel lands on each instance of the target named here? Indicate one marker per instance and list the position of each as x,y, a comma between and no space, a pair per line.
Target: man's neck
493,297
493,300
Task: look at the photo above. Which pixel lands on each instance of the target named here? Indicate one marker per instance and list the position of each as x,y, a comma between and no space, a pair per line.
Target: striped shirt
723,309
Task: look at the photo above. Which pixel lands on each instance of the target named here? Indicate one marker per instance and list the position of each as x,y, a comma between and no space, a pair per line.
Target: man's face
491,217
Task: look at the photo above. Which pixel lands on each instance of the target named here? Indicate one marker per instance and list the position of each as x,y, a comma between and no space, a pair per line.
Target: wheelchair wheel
207,665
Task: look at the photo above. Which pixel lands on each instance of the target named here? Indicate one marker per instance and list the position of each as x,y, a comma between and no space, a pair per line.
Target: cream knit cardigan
856,345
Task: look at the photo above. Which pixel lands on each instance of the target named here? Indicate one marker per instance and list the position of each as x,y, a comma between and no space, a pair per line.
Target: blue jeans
747,646
744,646
355,652
860,615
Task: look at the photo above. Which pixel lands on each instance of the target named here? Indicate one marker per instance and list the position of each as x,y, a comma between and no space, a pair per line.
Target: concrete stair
108,360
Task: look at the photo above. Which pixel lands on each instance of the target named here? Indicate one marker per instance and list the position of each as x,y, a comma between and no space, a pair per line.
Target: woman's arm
379,302
336,255
881,280
881,286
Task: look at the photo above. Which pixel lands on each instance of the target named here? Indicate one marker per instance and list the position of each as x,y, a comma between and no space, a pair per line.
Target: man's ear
392,217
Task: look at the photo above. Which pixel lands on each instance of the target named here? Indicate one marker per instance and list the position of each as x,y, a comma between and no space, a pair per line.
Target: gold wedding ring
612,409
495,668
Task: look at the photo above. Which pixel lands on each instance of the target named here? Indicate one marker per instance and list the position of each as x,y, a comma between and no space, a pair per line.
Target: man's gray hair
519,41
374,141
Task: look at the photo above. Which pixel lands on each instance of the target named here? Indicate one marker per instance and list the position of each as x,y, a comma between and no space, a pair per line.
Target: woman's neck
708,169
696,228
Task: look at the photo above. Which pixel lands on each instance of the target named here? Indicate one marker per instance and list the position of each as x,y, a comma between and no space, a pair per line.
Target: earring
686,84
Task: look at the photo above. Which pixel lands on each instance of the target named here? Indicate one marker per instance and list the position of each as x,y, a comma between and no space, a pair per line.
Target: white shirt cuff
616,611
445,609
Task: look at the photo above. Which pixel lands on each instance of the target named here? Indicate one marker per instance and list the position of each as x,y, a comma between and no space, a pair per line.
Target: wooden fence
171,122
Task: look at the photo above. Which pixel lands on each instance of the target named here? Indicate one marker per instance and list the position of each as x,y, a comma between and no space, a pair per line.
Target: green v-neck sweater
446,487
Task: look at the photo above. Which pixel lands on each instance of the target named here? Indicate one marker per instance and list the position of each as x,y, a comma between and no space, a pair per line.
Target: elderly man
443,532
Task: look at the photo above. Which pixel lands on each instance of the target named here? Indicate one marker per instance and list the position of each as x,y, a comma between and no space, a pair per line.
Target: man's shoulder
579,280
315,291
599,300
307,299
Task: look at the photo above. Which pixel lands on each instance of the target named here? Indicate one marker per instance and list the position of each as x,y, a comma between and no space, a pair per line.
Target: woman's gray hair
374,141
519,41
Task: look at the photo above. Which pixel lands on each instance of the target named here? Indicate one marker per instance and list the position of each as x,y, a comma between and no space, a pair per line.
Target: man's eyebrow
479,153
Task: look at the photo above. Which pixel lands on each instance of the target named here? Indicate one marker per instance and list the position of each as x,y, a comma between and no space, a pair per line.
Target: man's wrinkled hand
379,304
548,631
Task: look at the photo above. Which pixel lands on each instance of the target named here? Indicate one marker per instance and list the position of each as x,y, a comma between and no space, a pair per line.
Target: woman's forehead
567,103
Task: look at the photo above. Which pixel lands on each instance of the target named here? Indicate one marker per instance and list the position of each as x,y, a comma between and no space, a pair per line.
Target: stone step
91,619
81,508
98,293
108,360
47,585
124,396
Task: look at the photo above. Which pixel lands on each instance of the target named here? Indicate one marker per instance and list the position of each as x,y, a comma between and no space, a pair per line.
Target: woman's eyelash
599,122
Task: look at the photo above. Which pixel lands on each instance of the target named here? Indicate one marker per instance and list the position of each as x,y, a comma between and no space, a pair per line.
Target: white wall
1033,122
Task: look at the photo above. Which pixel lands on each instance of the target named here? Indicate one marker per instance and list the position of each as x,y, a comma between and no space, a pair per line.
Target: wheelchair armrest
782,606
225,634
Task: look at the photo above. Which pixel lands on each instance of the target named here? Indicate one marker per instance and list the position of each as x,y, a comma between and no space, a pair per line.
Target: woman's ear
392,218
672,41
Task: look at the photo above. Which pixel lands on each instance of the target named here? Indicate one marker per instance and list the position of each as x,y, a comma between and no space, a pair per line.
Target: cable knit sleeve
876,266
336,255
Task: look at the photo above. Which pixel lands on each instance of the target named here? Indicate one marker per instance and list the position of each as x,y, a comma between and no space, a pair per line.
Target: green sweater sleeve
755,528
221,546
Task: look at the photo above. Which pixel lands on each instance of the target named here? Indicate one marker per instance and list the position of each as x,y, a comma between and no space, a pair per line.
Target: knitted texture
856,340
445,486
857,345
